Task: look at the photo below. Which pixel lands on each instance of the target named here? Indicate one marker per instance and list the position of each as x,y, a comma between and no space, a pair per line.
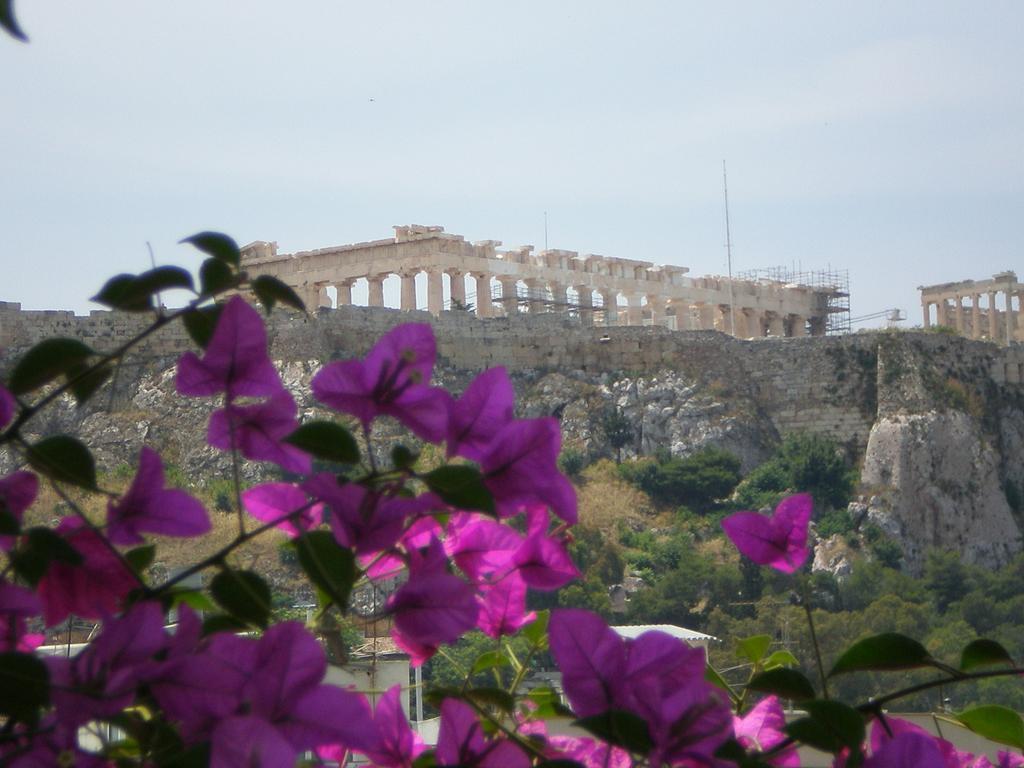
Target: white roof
682,633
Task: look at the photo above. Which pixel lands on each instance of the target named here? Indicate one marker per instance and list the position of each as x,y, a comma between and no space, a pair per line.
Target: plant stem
814,639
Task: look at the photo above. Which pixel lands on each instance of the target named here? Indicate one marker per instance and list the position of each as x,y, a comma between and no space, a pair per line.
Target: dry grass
605,499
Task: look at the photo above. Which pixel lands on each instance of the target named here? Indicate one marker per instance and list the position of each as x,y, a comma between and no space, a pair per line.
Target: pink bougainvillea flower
92,589
503,606
396,745
17,492
476,417
235,361
362,519
761,729
393,380
585,751
8,405
461,741
258,431
780,540
17,605
592,659
895,726
543,561
1009,760
481,546
907,750
149,507
433,607
521,468
272,502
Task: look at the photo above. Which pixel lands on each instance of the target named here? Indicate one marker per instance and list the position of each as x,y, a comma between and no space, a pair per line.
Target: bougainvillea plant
464,538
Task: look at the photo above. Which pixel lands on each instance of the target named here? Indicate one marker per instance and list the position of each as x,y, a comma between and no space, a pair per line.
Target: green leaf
753,648
24,686
201,323
983,652
623,729
164,279
781,659
882,652
218,245
536,632
9,524
84,381
326,440
64,459
216,276
403,458
714,677
222,622
994,722
829,726
243,594
492,697
786,683
270,291
9,23
490,660
134,293
141,558
328,565
461,486
46,361
193,598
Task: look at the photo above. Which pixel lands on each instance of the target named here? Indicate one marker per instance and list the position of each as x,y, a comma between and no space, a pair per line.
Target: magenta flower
881,735
481,546
362,519
503,606
17,606
393,380
476,417
521,468
17,492
543,561
92,590
461,741
259,431
586,751
907,750
592,659
761,729
433,607
272,502
235,361
148,506
780,540
8,405
396,745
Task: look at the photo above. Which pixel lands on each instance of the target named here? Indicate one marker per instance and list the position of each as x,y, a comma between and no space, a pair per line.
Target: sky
883,138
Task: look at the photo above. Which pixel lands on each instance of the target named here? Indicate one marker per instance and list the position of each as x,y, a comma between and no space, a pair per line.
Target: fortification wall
831,385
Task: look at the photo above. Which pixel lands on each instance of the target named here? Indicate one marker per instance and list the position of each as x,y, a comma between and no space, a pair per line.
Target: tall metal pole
728,252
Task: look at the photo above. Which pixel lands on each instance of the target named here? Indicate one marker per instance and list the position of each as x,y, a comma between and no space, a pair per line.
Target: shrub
572,462
696,481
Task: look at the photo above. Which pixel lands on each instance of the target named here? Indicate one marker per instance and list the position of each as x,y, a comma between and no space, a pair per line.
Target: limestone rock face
938,485
833,555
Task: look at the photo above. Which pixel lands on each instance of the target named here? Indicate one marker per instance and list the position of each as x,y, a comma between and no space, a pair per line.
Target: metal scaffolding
832,284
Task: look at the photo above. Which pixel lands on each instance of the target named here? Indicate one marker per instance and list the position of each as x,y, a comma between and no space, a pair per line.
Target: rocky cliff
937,421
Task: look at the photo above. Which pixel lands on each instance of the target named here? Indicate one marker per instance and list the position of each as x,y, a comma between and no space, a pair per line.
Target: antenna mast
728,253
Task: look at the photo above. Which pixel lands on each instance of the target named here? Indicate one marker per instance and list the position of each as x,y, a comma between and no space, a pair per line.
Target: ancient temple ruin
977,309
482,278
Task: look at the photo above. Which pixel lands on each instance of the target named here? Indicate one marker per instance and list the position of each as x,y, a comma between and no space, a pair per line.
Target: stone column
682,310
706,316
724,320
776,325
484,305
509,299
993,317
634,311
458,289
941,312
435,291
375,297
1010,319
408,293
610,299
536,290
818,326
975,315
797,326
310,295
958,314
323,297
558,296
926,307
585,300
657,307
344,289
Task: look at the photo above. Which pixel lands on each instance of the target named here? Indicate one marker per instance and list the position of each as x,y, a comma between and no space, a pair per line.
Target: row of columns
976,322
676,313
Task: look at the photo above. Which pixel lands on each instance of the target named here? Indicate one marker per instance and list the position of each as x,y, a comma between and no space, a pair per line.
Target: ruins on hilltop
991,322
598,290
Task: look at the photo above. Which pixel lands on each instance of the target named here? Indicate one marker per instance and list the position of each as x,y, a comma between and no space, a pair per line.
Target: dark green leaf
781,658
402,457
326,440
462,486
193,598
426,760
201,323
141,558
829,726
981,653
886,651
736,754
164,279
85,381
65,459
714,677
46,361
328,565
753,648
997,723
492,697
122,292
270,291
9,23
24,686
623,729
196,756
9,524
786,683
536,632
243,594
490,660
216,276
221,622
218,245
